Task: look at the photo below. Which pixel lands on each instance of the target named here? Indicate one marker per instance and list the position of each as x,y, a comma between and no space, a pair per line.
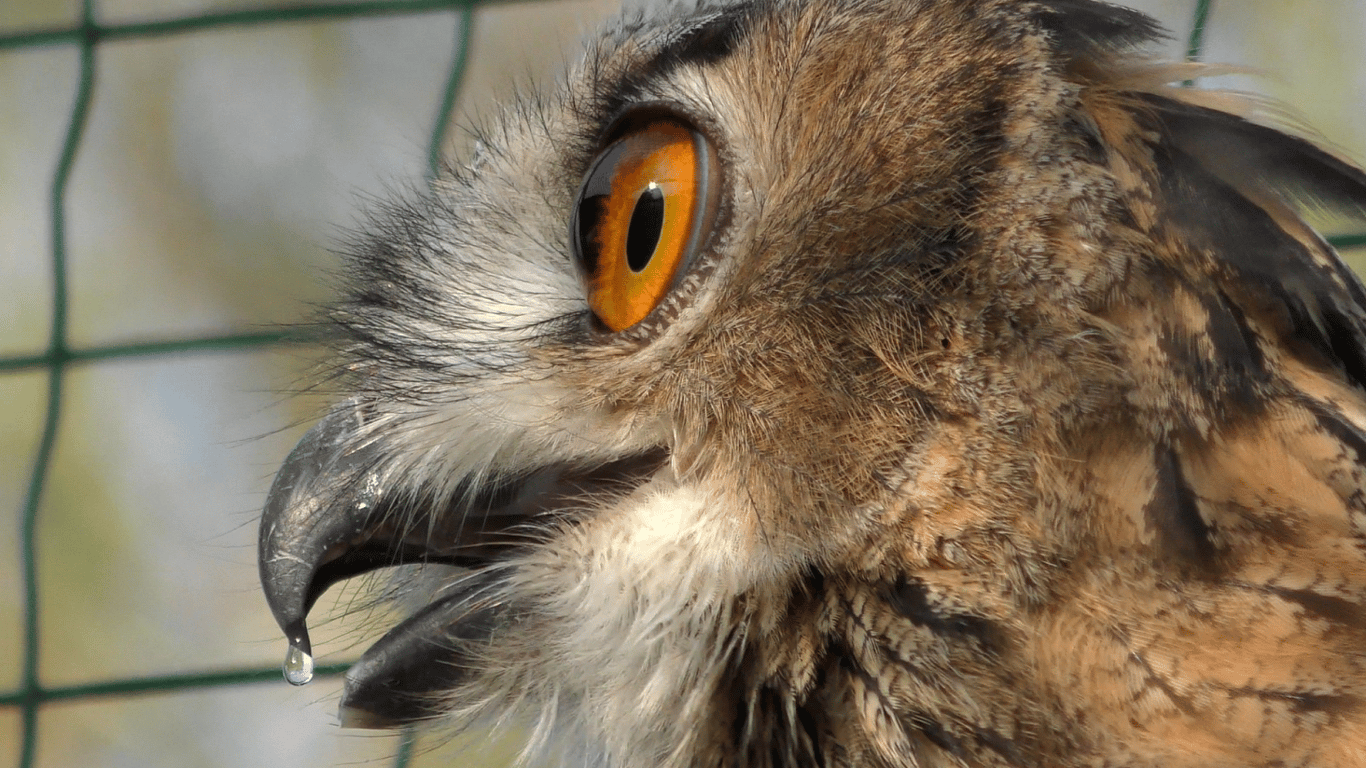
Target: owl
881,383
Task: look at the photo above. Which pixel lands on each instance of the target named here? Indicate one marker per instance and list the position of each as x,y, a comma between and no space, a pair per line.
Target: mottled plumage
1007,414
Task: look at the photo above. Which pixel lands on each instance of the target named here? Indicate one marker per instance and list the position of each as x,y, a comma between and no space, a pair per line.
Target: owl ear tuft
1084,28
1254,158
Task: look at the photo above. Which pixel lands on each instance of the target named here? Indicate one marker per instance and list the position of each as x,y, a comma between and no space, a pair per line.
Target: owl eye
644,210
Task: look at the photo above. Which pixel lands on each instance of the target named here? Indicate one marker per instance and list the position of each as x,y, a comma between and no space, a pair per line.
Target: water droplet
298,665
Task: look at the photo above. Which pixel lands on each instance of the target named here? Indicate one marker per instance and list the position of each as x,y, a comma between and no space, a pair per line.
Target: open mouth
332,514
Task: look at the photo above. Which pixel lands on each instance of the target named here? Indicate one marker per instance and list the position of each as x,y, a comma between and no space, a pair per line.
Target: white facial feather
643,595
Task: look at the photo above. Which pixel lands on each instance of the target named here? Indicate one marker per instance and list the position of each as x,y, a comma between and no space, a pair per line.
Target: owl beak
327,518
333,513
399,680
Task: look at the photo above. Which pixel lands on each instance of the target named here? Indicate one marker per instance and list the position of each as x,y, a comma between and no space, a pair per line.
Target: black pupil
647,223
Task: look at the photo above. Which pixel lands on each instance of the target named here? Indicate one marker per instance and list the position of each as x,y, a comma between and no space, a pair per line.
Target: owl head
855,383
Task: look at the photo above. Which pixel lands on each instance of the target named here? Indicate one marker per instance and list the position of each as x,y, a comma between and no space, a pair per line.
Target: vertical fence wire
31,690
58,356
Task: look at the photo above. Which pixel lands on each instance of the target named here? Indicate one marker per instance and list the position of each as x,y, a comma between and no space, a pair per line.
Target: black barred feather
1219,174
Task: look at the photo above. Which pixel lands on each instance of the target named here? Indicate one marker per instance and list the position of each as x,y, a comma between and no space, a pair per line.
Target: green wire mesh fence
60,355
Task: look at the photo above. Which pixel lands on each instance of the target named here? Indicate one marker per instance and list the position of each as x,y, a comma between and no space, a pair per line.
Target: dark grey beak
331,515
338,509
319,499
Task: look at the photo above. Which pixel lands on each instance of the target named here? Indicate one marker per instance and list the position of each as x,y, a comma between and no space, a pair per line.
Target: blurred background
218,169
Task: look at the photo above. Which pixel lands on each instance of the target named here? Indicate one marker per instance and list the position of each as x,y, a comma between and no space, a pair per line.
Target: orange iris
639,217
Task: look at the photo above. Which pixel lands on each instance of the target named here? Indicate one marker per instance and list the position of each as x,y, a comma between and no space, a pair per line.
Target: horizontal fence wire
59,356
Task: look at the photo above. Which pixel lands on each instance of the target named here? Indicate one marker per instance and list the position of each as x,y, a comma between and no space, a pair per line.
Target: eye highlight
644,210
